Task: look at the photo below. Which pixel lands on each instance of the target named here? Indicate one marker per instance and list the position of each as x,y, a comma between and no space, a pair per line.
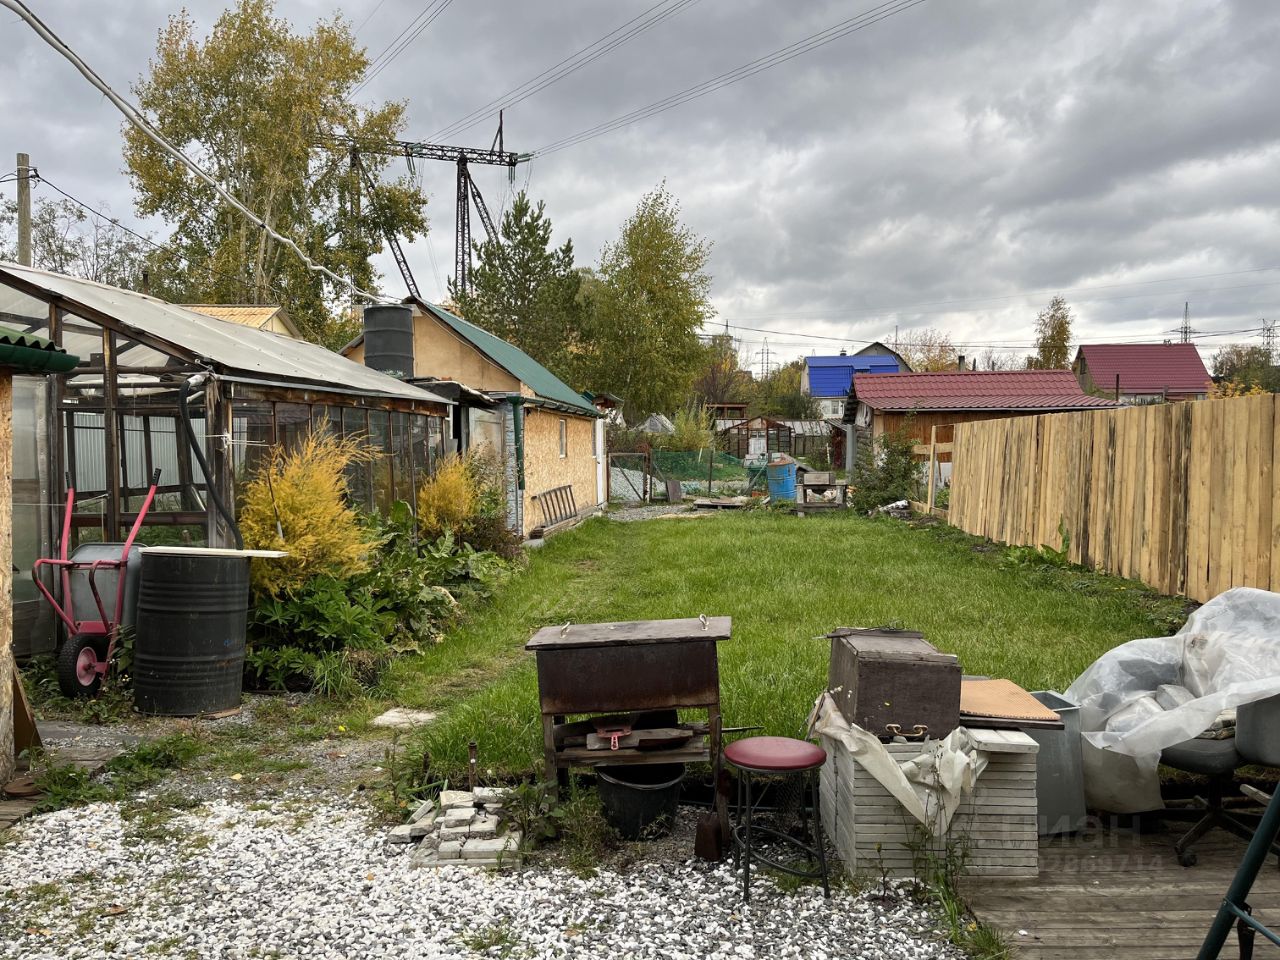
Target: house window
564,438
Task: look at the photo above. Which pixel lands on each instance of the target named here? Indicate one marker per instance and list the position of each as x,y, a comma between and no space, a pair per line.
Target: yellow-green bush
448,500
304,489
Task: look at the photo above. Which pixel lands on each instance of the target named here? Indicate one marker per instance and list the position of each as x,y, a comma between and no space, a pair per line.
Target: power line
418,24
570,64
780,56
142,123
365,21
804,338
819,314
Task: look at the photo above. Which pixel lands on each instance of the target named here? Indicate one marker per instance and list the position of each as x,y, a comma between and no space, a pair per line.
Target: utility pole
24,209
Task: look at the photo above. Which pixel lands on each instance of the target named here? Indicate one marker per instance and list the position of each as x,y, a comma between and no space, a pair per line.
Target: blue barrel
782,479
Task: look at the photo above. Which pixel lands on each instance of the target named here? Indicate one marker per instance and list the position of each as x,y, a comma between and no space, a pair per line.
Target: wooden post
933,463
24,210
7,704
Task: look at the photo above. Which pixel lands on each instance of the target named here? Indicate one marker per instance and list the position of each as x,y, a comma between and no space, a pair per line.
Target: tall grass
785,581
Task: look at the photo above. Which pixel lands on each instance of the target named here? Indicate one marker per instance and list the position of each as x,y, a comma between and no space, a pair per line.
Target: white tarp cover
928,786
1227,653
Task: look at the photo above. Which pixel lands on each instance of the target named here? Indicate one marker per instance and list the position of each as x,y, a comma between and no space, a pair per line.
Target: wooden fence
1181,495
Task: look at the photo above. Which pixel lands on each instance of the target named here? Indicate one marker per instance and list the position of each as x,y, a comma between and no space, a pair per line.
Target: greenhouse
202,400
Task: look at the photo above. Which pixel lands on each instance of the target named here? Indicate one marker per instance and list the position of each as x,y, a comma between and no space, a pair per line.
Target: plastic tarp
1227,653
929,786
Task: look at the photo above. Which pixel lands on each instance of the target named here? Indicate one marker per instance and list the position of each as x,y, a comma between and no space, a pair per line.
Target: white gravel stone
327,887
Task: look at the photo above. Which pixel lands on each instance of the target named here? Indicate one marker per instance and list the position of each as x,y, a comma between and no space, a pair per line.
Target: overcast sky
953,166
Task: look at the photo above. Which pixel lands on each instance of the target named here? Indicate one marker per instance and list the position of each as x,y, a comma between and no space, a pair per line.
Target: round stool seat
774,753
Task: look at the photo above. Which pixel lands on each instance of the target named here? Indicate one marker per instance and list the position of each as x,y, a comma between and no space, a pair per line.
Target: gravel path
311,878
648,512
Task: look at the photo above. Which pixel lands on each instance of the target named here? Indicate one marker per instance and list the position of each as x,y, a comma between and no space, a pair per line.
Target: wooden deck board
1115,894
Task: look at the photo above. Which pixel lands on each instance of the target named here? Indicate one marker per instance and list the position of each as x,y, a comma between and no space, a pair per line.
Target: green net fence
645,477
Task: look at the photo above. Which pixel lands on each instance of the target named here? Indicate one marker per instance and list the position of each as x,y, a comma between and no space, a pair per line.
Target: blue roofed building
829,379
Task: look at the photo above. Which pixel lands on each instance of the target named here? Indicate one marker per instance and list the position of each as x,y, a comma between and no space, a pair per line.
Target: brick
490,794
425,811
449,849
496,847
456,798
483,827
459,816
402,833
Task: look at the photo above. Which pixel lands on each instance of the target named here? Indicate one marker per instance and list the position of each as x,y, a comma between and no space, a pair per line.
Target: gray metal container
1059,768
388,339
1258,731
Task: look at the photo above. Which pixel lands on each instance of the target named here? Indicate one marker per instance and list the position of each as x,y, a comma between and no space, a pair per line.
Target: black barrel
188,654
388,339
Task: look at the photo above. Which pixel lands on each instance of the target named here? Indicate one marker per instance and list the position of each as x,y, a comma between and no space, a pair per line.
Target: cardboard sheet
1001,700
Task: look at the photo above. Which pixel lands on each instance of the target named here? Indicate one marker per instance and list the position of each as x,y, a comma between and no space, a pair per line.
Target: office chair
1257,741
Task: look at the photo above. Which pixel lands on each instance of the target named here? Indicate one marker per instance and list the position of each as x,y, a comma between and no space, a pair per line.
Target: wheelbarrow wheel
78,677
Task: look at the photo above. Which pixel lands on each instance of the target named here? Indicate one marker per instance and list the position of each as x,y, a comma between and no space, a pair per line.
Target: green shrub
296,502
693,431
334,635
885,470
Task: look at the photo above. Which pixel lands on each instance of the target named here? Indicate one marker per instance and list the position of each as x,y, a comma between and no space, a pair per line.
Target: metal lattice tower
1268,335
1185,330
467,192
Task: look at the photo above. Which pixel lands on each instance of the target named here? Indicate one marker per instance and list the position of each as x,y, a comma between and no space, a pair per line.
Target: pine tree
524,290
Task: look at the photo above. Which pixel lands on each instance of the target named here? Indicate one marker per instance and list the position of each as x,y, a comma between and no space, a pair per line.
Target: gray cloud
929,170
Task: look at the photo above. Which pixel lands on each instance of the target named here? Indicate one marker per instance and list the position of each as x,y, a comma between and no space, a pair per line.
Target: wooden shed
553,436
888,401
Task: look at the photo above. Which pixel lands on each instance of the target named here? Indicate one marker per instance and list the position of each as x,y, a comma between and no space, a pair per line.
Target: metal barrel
782,479
188,655
388,339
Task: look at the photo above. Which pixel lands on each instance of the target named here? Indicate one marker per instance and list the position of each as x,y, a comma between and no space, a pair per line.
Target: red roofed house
886,400
1146,372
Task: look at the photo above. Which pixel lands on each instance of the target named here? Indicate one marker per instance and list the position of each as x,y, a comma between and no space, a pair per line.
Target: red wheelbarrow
94,569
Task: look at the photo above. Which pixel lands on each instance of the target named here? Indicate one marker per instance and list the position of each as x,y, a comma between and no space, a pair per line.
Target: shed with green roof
551,437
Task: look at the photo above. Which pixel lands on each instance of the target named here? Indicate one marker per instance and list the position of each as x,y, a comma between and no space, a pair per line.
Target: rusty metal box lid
627,632
881,643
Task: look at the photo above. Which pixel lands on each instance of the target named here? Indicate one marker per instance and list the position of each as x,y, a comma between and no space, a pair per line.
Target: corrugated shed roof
248,315
515,361
975,390
808,428
229,347
28,353
831,376
1146,367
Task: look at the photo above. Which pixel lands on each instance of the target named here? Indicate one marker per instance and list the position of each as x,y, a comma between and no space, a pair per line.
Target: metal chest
889,681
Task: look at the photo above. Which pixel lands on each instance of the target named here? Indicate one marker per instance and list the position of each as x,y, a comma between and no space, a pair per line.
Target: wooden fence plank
1181,496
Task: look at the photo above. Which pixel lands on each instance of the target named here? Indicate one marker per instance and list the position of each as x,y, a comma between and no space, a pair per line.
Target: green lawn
785,581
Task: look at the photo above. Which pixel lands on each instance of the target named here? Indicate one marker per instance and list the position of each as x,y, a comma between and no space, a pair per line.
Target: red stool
776,757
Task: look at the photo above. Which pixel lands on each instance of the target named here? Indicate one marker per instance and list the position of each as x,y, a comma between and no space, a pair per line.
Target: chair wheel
1187,858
